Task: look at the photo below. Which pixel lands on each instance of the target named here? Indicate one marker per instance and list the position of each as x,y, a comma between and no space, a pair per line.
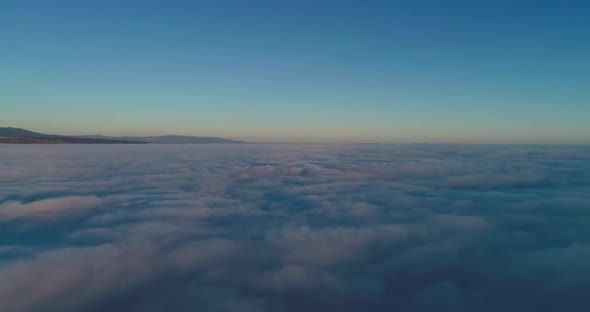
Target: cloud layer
294,228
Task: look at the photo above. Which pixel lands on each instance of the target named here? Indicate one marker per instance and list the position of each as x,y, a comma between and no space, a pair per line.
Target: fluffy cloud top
48,208
294,228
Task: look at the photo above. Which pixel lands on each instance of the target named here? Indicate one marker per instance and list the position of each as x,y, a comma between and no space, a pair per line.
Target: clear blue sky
315,71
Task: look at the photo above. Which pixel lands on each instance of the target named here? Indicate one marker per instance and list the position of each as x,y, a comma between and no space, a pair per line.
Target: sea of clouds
294,228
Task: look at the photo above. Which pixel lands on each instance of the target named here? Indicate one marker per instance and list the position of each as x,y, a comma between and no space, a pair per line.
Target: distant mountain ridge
18,135
167,139
23,136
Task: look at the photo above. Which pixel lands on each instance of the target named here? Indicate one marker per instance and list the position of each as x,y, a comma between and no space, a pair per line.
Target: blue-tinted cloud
294,228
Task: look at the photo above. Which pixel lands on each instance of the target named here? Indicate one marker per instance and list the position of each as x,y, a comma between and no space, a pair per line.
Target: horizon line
252,140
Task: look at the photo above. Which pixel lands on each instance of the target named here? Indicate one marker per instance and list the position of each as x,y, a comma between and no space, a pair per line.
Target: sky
299,71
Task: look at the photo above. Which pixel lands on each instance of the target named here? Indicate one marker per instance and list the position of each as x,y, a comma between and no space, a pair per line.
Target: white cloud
293,228
48,208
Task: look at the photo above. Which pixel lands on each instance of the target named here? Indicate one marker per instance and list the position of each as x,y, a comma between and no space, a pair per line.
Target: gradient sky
300,71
